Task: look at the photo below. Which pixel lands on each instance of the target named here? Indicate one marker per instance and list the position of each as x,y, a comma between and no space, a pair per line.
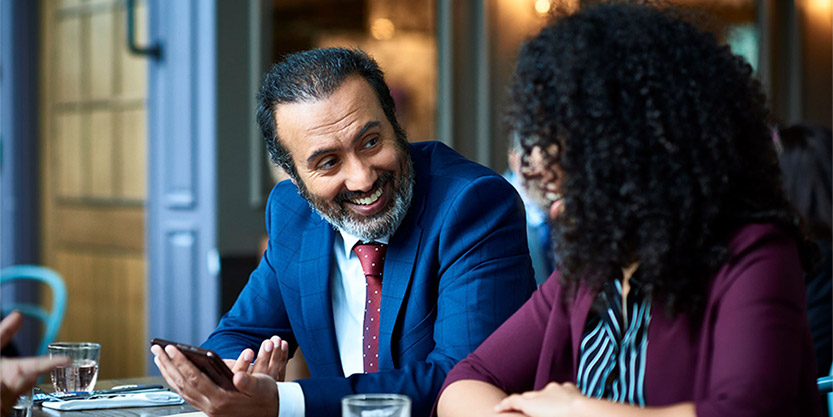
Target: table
38,411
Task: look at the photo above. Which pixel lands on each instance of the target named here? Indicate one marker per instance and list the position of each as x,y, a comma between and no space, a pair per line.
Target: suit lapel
314,265
400,260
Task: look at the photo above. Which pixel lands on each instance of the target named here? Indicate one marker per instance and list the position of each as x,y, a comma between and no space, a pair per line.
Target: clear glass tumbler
23,406
81,374
376,405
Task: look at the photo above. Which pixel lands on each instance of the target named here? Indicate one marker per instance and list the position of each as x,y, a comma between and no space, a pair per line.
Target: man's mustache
346,196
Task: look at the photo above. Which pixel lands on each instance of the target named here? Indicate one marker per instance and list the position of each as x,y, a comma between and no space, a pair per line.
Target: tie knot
372,257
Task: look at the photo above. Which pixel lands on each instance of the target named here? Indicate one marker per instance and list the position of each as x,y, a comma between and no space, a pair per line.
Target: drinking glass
376,405
82,373
23,406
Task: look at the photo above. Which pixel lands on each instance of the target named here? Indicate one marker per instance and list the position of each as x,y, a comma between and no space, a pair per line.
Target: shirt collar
350,241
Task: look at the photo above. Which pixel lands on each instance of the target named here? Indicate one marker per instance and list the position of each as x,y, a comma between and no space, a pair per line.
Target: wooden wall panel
63,4
116,283
100,38
79,319
133,69
94,168
68,54
69,176
133,147
117,228
102,163
135,314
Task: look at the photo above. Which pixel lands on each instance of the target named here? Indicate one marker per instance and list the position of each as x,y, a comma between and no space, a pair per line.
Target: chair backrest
52,319
826,387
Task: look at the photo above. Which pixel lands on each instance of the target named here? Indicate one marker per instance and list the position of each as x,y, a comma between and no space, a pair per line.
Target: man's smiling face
351,167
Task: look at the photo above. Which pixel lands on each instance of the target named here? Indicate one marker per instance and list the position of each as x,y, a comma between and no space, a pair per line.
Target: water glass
376,405
82,373
23,406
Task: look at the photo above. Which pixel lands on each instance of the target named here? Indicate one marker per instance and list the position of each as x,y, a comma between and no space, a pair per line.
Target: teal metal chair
51,319
826,388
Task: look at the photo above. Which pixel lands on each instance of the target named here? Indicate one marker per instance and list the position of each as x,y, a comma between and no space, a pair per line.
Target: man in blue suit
454,262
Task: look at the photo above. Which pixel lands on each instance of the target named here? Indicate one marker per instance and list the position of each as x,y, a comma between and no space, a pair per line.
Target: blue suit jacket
455,269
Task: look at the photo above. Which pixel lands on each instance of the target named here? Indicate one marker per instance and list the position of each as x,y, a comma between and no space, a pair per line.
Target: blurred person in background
537,228
806,169
679,289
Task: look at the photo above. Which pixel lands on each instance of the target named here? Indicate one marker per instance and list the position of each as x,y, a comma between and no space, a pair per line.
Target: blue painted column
183,267
19,177
19,71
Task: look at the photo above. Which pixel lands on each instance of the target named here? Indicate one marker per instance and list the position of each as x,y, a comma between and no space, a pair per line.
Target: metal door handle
153,50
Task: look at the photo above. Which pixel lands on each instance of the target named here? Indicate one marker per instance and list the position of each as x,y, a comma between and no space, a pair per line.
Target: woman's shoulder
762,257
756,235
564,295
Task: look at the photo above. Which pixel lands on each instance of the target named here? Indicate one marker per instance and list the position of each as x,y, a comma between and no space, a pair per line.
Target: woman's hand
566,400
554,400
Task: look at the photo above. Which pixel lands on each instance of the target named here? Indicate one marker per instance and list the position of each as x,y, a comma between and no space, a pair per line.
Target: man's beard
379,225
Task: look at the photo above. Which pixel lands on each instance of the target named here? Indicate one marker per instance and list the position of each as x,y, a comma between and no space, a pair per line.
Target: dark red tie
372,257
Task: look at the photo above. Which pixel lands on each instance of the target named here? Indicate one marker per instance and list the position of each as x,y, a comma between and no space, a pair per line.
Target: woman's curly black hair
662,138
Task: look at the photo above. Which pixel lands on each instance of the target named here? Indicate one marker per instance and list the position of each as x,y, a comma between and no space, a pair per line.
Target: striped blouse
612,353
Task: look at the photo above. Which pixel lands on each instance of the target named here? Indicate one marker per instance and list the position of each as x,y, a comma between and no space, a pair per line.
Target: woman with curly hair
679,289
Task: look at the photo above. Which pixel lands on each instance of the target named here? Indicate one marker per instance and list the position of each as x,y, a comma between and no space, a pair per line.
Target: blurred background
137,172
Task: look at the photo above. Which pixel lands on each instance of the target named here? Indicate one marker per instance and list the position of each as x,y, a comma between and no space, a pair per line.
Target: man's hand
257,393
271,359
19,375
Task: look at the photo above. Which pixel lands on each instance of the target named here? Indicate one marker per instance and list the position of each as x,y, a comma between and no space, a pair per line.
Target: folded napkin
143,399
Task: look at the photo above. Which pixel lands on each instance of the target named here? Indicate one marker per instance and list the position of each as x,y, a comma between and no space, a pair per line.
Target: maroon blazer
748,354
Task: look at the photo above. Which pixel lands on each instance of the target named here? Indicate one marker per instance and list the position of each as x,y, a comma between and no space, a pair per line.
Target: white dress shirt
347,286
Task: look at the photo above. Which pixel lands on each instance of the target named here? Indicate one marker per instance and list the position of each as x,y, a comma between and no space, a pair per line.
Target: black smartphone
205,360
